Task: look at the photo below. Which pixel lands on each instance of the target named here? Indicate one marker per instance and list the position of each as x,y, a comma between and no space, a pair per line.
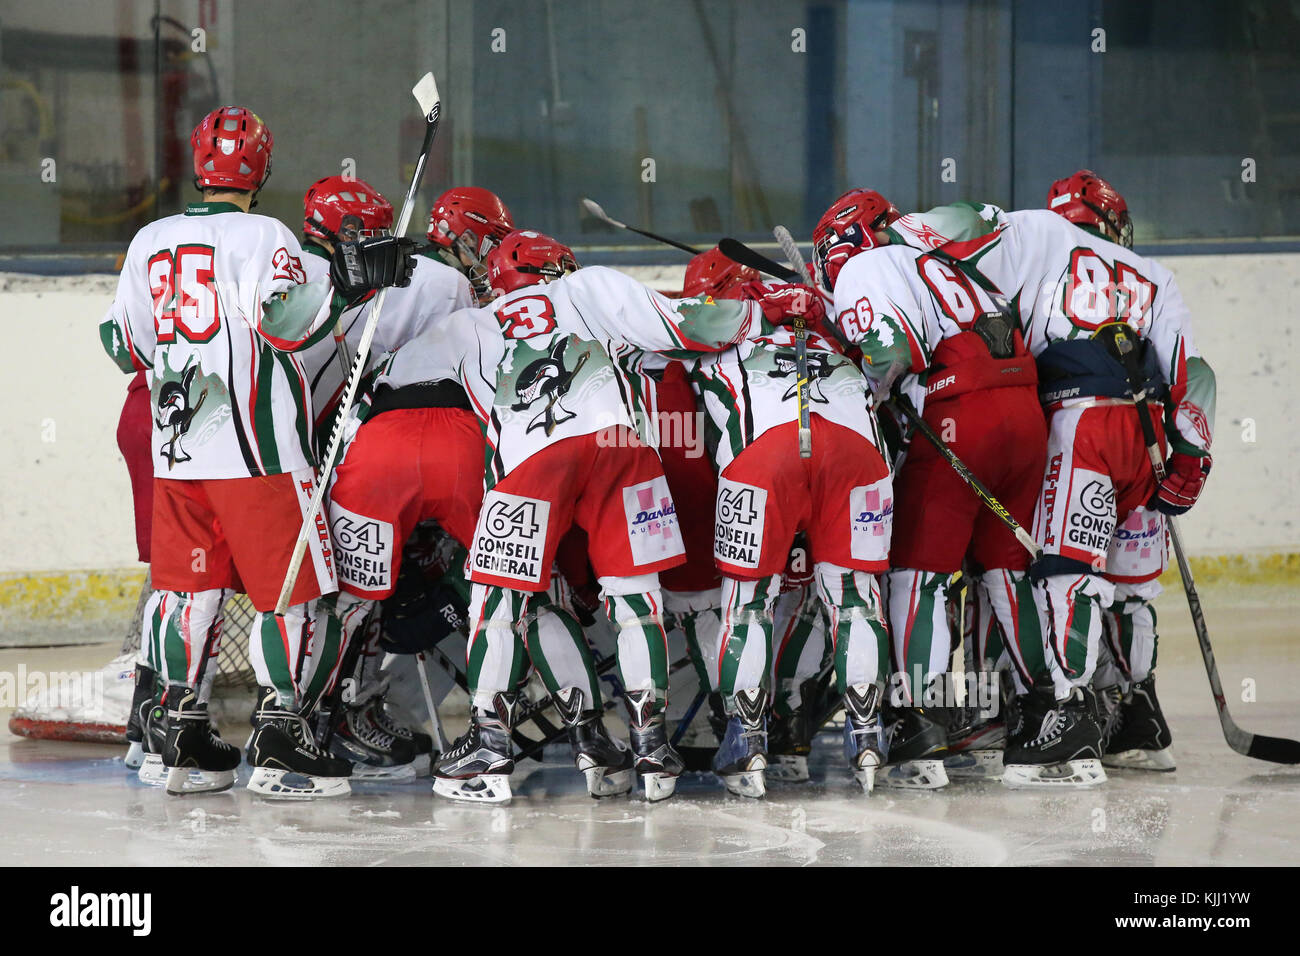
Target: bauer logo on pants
510,539
738,531
652,527
363,549
871,520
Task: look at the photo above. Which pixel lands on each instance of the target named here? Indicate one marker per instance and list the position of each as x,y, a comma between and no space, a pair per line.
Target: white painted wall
65,502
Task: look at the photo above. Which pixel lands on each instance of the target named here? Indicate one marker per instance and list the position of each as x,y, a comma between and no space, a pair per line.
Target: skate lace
1052,725
295,725
380,719
369,732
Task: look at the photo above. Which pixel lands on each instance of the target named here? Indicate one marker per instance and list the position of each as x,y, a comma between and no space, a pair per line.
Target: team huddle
519,471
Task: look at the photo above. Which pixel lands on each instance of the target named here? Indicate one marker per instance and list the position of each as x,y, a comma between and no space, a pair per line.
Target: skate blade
974,765
750,783
1072,773
658,786
404,771
485,788
134,755
788,768
288,785
1161,761
182,781
152,771
866,779
603,782
914,775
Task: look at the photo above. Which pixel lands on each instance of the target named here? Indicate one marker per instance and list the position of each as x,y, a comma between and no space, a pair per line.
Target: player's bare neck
241,199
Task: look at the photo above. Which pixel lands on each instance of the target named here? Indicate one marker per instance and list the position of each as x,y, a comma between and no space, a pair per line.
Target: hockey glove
360,267
781,303
1184,478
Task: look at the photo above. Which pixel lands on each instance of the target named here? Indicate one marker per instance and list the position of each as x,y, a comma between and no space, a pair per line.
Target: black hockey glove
360,267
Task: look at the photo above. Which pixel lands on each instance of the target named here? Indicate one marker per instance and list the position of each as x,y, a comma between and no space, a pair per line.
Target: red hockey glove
781,303
1184,478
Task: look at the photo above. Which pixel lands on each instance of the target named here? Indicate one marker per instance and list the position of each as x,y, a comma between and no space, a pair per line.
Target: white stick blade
598,211
426,93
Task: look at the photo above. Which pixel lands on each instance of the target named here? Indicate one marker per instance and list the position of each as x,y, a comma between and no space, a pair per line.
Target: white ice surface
74,804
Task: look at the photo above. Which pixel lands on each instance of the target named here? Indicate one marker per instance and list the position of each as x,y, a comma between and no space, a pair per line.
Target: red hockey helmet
712,273
339,209
1086,199
232,150
470,218
848,227
525,258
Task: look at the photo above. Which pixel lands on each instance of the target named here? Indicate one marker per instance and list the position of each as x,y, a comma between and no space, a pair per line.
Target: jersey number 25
184,294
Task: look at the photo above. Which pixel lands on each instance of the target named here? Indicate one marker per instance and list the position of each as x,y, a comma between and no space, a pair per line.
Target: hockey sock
278,648
745,647
558,649
859,634
918,617
697,615
635,607
800,647
496,660
1011,596
1073,606
188,631
1131,621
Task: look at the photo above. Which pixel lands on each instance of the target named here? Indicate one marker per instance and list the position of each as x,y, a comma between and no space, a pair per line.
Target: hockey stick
791,251
426,94
737,251
438,736
594,208
1272,749
966,475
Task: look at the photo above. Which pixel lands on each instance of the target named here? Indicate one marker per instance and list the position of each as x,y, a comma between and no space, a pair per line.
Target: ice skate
789,739
141,703
976,743
605,762
196,758
1064,752
374,753
1109,701
377,713
151,770
916,750
478,766
742,756
654,759
1141,741
287,762
864,735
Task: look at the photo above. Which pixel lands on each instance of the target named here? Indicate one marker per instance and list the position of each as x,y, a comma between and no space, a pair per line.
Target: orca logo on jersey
548,378
177,413
818,369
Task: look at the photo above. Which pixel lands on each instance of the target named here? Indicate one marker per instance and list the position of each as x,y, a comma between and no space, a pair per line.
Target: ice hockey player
1071,270
465,224
841,498
377,475
556,461
947,334
214,301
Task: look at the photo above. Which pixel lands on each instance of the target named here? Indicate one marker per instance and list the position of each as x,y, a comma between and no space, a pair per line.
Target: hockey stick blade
426,95
598,211
737,251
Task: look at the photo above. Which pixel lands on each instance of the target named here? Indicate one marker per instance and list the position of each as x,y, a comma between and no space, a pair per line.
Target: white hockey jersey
1066,282
214,302
750,388
436,291
537,362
